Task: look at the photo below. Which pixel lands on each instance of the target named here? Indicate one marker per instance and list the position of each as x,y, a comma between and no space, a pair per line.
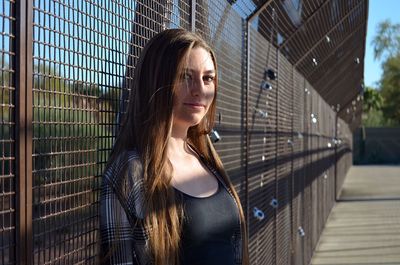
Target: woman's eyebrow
189,70
209,72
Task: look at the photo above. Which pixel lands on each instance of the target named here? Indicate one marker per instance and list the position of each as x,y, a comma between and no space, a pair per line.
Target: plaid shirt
124,239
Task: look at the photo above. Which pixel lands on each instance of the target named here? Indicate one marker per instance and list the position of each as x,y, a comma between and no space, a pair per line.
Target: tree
372,108
387,46
390,89
372,99
386,42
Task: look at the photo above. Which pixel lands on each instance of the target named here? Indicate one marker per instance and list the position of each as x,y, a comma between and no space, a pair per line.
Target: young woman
165,197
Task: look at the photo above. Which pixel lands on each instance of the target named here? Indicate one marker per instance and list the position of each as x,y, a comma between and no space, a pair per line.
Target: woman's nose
197,87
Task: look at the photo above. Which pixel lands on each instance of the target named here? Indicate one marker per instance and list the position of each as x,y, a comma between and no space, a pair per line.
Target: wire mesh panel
7,135
330,16
314,168
298,168
284,161
262,148
326,150
316,36
226,40
320,163
343,152
80,51
308,179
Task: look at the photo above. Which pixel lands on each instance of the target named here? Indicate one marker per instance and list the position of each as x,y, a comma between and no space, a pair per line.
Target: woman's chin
192,120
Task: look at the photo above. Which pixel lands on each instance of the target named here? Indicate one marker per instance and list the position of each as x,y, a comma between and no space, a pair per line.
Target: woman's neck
177,145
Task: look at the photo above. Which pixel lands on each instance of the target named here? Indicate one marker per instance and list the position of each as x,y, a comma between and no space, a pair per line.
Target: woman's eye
209,78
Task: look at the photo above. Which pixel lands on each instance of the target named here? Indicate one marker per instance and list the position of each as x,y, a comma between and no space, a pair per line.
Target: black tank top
208,228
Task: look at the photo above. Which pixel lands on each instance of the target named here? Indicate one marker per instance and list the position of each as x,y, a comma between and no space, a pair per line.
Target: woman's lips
194,105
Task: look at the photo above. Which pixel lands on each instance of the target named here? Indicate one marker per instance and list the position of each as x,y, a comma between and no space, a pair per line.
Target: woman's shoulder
125,162
124,176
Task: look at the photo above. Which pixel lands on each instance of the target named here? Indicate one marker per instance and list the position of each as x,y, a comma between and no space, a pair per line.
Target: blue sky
379,10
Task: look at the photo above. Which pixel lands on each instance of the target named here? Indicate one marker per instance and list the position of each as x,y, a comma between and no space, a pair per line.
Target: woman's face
195,90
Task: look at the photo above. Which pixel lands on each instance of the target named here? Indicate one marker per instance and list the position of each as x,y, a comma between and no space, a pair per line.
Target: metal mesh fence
79,52
262,149
7,135
286,138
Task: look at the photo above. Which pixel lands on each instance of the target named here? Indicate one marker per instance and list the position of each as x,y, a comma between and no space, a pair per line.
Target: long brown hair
147,127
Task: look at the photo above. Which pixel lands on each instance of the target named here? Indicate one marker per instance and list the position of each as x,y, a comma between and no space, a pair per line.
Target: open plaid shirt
124,239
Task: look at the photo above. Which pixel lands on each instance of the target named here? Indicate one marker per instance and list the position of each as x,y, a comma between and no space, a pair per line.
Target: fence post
336,155
193,16
246,84
23,161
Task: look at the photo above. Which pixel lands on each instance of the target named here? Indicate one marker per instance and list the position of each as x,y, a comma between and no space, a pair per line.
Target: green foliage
387,46
373,106
372,113
372,99
373,118
387,40
390,89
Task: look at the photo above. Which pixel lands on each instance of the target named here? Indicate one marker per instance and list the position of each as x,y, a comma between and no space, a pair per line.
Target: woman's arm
237,246
117,241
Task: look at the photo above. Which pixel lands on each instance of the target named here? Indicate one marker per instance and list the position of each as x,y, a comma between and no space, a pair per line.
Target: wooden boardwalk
364,226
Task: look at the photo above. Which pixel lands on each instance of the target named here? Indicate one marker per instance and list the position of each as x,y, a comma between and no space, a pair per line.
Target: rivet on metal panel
314,61
328,40
307,91
214,135
274,203
264,140
299,135
325,176
258,214
261,180
301,231
263,157
329,145
265,85
313,118
270,74
263,114
357,60
290,142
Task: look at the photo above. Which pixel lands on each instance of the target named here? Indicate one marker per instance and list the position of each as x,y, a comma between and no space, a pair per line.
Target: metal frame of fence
286,141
